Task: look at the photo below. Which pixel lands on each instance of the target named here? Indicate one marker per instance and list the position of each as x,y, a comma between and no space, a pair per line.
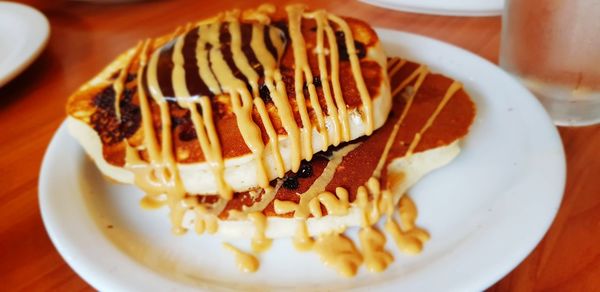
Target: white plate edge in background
470,8
39,33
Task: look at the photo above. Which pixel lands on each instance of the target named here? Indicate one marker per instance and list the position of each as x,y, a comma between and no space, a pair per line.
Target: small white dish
485,211
444,7
24,32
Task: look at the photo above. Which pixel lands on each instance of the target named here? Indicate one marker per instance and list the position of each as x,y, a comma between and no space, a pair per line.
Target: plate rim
38,39
477,284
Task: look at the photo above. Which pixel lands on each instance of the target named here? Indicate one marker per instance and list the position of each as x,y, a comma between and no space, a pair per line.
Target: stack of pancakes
263,125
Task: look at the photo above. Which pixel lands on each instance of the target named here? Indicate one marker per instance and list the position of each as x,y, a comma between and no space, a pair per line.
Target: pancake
431,113
232,102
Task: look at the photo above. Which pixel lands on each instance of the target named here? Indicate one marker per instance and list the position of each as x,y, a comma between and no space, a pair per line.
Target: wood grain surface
86,36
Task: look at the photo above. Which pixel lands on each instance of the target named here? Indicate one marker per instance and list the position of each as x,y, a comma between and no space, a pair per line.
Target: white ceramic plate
444,7
24,33
485,211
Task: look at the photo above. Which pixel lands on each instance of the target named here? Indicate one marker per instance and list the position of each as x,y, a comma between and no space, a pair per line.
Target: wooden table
85,37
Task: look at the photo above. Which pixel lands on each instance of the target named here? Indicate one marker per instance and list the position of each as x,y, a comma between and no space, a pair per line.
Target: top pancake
148,93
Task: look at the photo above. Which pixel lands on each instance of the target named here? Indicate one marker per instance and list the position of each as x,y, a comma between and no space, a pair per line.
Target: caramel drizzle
336,204
245,262
408,237
373,210
311,200
302,70
338,251
252,76
367,103
302,240
376,258
222,56
119,83
420,74
205,221
166,168
303,208
205,130
150,142
394,66
454,87
213,76
241,99
260,242
372,186
341,128
277,89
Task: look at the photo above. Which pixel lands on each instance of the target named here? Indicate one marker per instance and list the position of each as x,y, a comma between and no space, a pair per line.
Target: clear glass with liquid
553,47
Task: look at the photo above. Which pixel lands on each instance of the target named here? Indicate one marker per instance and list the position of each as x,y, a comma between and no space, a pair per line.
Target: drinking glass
553,47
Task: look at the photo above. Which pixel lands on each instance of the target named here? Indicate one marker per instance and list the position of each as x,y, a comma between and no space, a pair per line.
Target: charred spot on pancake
317,81
180,119
105,100
265,94
130,113
286,69
115,75
274,182
291,182
104,119
187,134
305,170
130,77
360,48
224,35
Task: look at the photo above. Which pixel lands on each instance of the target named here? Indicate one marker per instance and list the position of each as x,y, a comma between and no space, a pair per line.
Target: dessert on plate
261,124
